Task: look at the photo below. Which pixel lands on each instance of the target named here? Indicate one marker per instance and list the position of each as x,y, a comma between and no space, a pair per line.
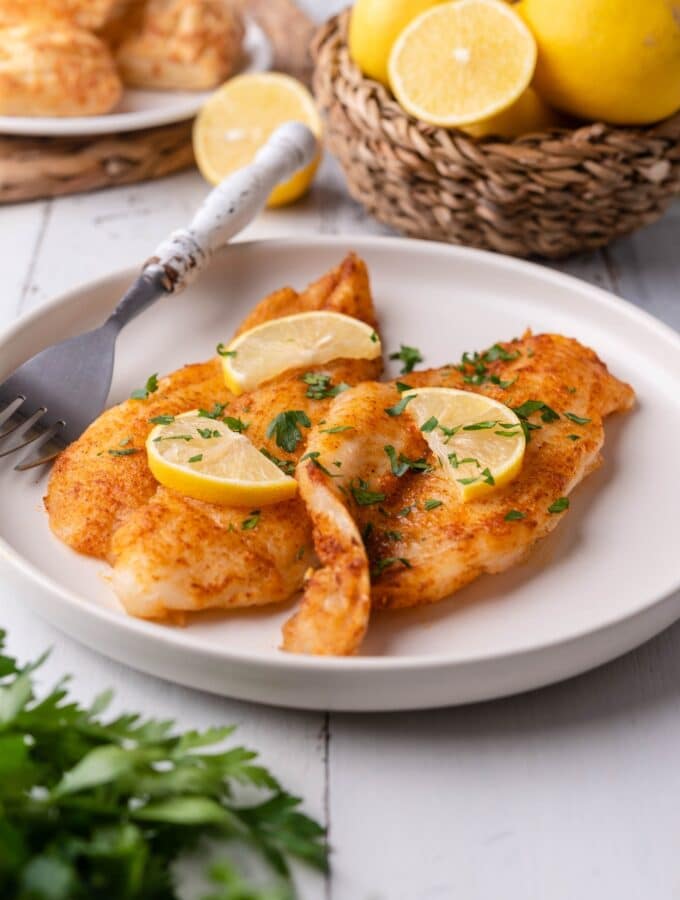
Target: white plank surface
567,792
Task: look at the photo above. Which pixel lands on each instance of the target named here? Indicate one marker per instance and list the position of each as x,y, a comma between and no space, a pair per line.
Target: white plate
140,109
600,585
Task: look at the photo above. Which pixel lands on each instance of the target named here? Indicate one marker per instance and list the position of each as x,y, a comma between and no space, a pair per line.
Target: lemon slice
462,62
479,441
239,118
304,339
202,458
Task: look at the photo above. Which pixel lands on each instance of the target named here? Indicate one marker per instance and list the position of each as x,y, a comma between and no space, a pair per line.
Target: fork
51,399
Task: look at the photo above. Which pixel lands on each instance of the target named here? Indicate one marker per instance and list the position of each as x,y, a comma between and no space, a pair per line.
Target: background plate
140,109
602,583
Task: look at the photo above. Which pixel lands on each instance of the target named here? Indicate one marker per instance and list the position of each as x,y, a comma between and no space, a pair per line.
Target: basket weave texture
546,194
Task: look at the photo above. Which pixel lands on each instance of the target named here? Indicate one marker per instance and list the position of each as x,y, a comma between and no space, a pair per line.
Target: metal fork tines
19,431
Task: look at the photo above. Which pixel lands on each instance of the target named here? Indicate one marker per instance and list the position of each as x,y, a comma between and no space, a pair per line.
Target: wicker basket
548,194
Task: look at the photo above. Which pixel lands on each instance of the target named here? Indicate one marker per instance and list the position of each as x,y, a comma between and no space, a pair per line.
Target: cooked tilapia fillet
171,553
419,556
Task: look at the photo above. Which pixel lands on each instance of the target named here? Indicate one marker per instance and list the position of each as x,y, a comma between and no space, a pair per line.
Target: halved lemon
462,62
304,339
479,441
202,458
239,118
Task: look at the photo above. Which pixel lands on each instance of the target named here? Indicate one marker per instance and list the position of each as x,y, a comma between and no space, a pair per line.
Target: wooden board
33,168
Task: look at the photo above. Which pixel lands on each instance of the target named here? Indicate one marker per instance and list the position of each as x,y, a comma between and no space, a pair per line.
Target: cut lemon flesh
202,458
479,441
462,62
239,118
305,339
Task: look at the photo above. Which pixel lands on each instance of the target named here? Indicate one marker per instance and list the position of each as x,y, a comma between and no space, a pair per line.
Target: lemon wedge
240,117
304,339
479,441
202,458
462,62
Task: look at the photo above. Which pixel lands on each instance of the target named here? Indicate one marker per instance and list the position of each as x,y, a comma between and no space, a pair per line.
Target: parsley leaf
430,425
432,504
284,428
382,564
409,356
319,386
401,464
313,457
398,408
287,466
514,515
213,413
337,429
252,521
222,350
88,811
150,387
559,505
579,420
363,495
401,386
162,420
197,458
234,424
130,451
574,437
208,433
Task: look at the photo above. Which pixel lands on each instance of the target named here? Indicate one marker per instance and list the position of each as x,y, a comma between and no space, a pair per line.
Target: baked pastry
93,15
54,68
182,45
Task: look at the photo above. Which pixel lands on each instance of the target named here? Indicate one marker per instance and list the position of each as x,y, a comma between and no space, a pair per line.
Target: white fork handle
231,206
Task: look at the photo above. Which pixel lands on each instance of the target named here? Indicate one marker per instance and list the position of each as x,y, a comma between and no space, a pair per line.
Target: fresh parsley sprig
95,807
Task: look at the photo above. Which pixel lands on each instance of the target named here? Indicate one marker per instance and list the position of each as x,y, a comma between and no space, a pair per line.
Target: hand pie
55,69
182,45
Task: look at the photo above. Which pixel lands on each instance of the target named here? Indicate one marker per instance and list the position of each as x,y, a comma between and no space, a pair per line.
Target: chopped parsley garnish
197,458
150,387
572,390
173,437
455,462
287,466
130,451
574,437
398,408
449,432
319,386
313,457
337,429
474,366
480,426
468,480
162,420
252,520
430,425
578,420
284,428
432,504
559,505
213,413
393,535
237,425
527,409
382,564
401,464
514,515
363,495
405,511
409,356
401,386
208,433
507,434
487,477
374,337
222,350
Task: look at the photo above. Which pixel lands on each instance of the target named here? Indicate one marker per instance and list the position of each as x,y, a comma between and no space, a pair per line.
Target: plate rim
277,660
112,123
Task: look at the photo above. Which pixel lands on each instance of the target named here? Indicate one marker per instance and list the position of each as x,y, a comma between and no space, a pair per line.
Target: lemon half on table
202,458
479,441
304,339
241,116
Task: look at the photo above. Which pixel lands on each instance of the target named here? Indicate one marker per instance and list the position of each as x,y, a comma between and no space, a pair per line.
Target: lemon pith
479,441
462,62
304,339
239,118
202,458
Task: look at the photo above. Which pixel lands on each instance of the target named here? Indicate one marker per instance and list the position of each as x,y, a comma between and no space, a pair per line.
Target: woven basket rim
393,112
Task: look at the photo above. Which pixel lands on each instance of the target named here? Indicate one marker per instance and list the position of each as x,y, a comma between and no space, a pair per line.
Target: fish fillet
371,522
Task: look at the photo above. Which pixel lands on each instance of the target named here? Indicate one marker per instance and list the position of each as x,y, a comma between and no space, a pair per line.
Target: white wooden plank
22,227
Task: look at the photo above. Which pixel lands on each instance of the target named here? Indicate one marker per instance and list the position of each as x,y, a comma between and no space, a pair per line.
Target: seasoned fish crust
446,547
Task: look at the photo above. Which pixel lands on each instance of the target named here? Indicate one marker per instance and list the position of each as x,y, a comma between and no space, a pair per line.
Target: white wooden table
572,791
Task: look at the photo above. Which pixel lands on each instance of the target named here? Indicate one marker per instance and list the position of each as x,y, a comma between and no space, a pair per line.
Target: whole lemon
611,60
374,27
